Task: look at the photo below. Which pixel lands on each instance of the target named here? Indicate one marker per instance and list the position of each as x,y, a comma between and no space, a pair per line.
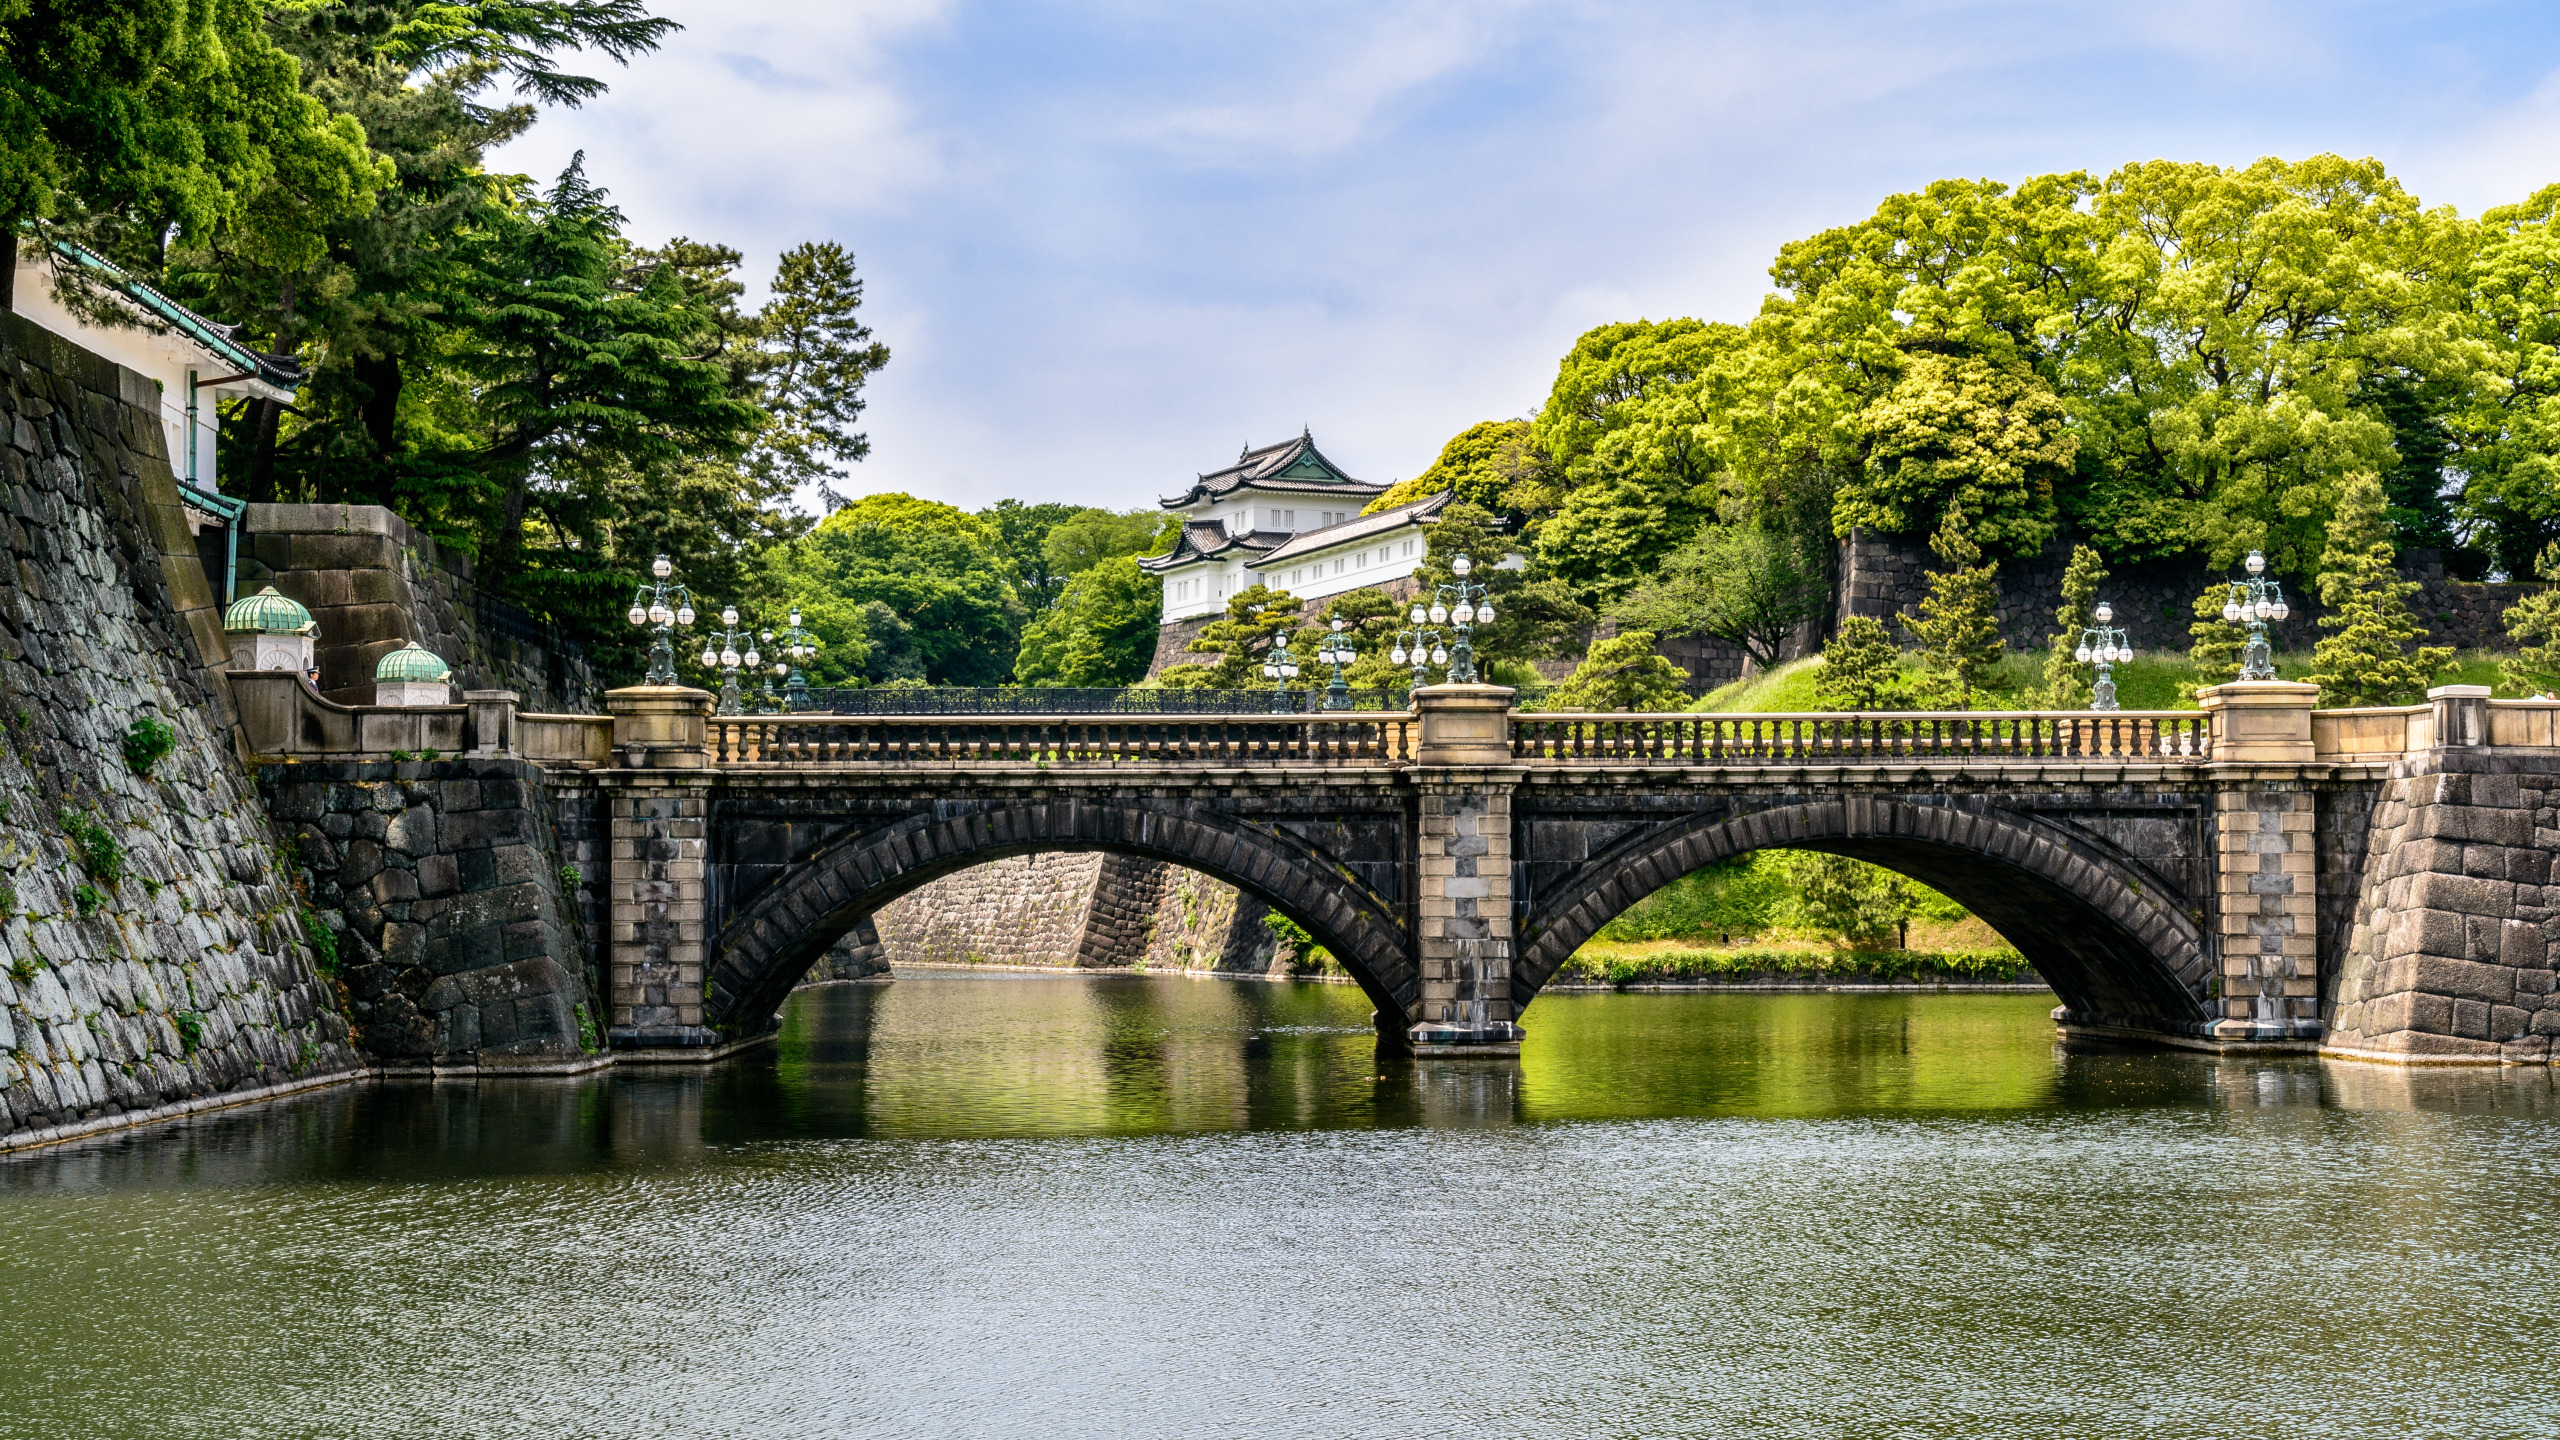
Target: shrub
86,896
1294,935
1975,966
101,854
322,939
148,741
402,755
2369,660
190,1030
1622,673
570,879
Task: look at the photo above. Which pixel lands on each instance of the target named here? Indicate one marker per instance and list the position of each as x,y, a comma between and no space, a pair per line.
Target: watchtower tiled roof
1292,466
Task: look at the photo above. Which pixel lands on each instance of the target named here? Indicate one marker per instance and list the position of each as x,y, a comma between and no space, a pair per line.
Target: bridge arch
762,952
2111,941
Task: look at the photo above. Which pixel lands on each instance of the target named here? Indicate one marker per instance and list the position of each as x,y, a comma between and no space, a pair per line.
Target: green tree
2367,659
1958,626
2534,623
1101,631
1622,673
1960,432
2066,680
124,121
2215,645
814,355
1090,536
1256,618
1535,613
946,612
1743,584
1494,465
1867,905
1628,432
1861,669
373,310
2506,425
1023,531
1370,620
581,365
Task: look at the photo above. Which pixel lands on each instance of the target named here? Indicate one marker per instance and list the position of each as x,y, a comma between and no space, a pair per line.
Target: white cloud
1108,244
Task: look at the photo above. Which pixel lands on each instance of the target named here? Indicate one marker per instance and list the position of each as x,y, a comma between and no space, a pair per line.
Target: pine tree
2367,661
1861,669
1622,673
1256,617
2214,644
2534,623
2066,679
1958,626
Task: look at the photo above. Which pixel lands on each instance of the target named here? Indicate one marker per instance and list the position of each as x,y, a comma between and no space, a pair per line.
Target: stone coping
179,1110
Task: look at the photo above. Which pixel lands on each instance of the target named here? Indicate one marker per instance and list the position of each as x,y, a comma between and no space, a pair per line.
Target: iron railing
2154,736
1335,738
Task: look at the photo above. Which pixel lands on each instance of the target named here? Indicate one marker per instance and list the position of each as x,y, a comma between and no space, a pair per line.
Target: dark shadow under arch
2114,948
773,940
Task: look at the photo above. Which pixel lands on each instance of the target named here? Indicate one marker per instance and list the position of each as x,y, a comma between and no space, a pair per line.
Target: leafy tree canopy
1494,465
938,572
1101,631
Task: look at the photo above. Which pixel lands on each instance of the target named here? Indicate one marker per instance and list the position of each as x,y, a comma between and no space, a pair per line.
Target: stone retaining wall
2450,954
1069,912
1884,575
188,976
459,934
372,582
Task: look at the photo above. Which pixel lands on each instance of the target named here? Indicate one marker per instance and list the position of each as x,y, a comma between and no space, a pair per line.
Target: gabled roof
1207,540
1357,528
211,336
1292,466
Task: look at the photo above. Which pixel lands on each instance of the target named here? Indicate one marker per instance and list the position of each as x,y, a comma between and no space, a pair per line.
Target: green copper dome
267,613
411,663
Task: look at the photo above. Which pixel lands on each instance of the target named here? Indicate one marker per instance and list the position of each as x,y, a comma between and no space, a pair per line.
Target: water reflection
1123,1205
1026,1056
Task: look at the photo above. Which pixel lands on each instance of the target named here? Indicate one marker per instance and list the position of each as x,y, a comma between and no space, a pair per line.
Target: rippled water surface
1057,1205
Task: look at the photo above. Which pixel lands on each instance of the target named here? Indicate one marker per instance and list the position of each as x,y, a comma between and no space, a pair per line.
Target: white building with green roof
1284,516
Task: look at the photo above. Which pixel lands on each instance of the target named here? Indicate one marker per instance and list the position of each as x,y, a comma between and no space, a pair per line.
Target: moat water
961,1205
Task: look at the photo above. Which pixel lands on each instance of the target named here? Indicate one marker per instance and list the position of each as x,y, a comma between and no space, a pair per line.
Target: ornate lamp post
799,647
1336,650
1471,610
2256,600
665,604
2104,645
1281,666
721,649
1410,647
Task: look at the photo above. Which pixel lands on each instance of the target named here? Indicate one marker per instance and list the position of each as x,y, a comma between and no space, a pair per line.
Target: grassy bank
1600,963
2162,681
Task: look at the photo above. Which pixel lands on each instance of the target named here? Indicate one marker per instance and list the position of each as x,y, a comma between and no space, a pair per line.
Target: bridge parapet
2167,737
1334,738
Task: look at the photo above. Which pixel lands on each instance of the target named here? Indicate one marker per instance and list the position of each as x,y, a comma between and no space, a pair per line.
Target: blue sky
1108,244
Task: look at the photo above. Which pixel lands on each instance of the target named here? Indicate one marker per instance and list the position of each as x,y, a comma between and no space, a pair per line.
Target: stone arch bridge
2257,874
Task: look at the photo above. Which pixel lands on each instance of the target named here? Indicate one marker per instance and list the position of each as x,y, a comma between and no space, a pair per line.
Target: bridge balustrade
1333,739
2134,736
